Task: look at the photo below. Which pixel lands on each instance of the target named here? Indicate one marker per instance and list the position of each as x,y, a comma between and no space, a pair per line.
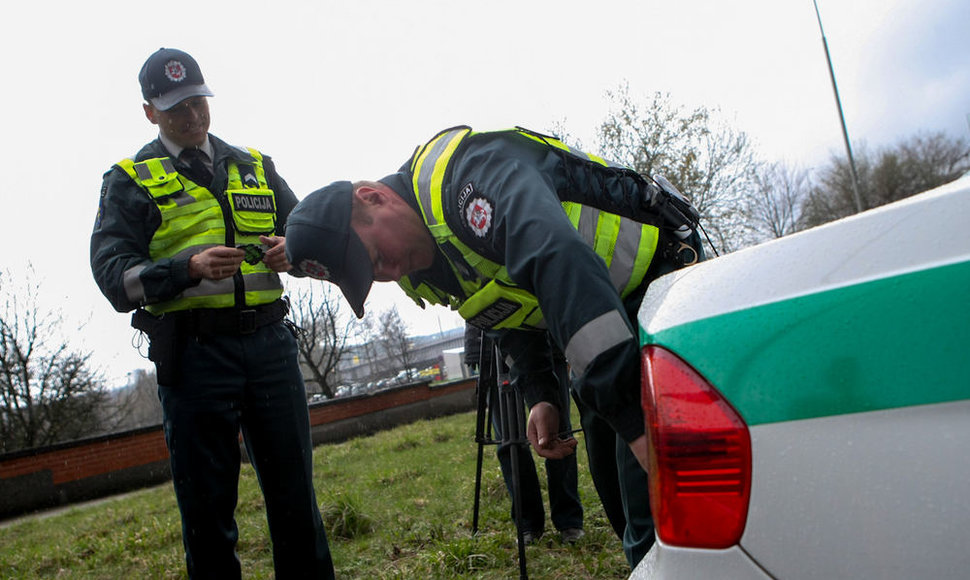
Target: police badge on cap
170,76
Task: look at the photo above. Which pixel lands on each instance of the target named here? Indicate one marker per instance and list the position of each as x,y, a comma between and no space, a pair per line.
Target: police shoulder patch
478,214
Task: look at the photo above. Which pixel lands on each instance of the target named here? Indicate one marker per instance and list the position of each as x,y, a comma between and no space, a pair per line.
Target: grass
396,505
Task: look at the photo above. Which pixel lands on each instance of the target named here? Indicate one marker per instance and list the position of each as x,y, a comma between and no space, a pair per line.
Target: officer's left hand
275,256
639,448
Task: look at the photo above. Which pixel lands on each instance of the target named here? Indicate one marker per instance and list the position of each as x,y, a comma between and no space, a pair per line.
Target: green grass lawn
398,504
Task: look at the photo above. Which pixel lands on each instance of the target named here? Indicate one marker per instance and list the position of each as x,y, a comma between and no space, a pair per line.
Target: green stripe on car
868,343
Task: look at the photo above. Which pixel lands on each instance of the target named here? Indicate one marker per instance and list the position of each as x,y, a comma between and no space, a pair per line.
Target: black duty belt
208,321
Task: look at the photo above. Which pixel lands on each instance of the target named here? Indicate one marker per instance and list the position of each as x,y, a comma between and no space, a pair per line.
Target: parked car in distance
808,402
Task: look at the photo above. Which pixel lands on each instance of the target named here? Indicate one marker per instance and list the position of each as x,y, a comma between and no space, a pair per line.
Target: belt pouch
166,342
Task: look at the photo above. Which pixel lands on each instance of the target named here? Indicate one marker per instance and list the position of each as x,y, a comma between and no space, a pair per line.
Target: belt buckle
247,321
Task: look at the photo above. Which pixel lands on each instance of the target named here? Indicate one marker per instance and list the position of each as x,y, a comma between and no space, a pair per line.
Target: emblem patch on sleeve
479,216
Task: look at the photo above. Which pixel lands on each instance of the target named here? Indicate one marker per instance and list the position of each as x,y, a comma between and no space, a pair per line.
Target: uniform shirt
128,218
502,198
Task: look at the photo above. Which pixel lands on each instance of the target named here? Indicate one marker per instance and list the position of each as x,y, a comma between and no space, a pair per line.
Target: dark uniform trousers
248,382
618,477
620,483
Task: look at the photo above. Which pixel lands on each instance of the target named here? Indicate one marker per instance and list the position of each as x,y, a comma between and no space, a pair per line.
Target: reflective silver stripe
596,337
625,249
615,164
182,199
588,220
625,253
143,172
255,282
131,281
262,281
208,287
190,251
594,158
425,171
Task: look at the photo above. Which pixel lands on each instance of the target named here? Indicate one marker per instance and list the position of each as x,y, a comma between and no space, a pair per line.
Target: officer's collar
175,150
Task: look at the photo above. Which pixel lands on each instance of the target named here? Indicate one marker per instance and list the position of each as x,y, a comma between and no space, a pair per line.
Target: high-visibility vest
194,219
492,299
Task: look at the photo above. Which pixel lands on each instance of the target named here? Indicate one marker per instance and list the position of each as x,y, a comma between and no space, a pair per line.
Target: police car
808,402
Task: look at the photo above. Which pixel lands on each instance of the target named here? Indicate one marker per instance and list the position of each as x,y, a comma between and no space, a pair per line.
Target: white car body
844,350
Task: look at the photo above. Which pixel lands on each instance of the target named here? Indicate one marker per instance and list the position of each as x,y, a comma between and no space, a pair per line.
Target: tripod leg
513,433
481,436
478,487
486,378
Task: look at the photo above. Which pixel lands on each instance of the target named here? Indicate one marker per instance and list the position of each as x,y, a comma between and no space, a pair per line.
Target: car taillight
700,455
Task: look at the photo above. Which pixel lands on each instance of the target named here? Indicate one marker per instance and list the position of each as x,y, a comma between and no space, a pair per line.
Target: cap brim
174,97
358,274
322,244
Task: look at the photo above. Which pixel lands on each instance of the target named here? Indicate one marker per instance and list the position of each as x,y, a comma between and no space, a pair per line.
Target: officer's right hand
543,432
215,263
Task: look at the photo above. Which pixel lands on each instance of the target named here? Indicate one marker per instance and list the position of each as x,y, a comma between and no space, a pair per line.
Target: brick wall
81,470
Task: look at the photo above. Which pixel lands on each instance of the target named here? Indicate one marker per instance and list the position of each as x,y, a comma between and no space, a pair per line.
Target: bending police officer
523,236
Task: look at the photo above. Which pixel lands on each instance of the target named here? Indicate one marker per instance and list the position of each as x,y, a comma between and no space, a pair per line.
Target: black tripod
510,412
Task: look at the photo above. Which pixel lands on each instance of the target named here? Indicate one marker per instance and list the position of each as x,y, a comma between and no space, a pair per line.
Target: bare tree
711,162
917,164
394,341
832,196
912,166
367,333
137,403
322,339
775,208
48,391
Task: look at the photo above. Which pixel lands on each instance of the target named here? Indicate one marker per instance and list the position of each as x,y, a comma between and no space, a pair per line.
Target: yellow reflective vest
194,219
492,299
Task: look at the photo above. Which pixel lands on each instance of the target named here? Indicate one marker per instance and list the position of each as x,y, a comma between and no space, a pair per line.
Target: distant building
367,363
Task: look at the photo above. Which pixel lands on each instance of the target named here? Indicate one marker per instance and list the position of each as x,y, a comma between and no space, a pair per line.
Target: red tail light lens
700,455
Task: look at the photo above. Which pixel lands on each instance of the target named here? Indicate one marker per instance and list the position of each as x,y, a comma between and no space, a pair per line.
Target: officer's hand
275,256
216,263
543,432
639,448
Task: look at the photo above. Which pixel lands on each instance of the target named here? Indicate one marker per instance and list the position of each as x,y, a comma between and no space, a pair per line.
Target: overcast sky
346,90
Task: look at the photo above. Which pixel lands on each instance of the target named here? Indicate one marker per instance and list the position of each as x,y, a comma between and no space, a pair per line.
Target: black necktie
195,159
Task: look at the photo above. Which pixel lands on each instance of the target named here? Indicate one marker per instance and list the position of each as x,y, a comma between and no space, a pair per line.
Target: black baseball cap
321,244
170,76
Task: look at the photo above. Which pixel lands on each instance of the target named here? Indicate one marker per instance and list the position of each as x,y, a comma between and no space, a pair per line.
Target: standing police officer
522,235
187,236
